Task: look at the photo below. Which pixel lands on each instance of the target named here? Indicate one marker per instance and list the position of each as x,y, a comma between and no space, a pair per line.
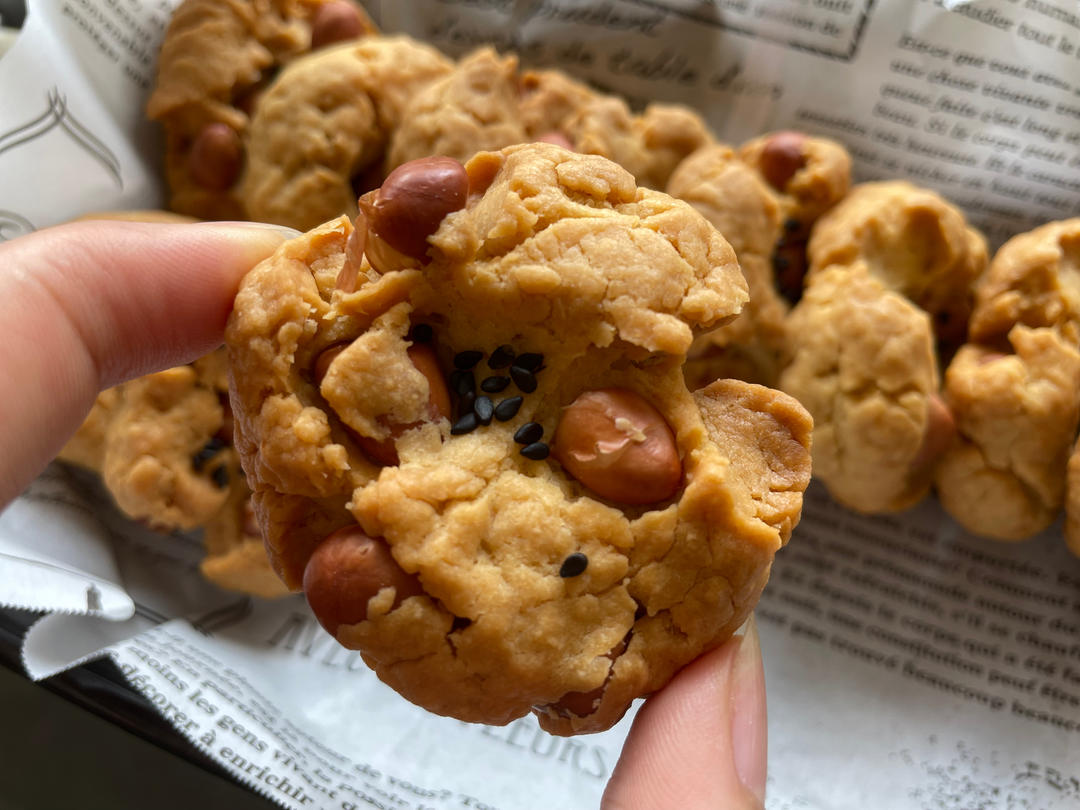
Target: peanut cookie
469,440
809,175
216,58
1016,416
915,242
323,127
863,363
737,202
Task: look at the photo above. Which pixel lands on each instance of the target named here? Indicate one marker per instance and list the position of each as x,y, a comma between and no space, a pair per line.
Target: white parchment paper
909,665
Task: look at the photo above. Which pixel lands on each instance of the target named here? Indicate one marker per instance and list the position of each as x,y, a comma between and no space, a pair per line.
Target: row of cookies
897,289
272,114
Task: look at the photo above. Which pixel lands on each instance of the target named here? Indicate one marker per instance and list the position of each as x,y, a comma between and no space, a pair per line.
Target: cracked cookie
862,362
912,239
1016,417
469,439
217,57
321,130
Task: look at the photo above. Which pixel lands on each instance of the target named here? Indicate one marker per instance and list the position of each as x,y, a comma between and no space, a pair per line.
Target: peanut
781,157
215,157
337,21
409,207
940,430
618,445
346,570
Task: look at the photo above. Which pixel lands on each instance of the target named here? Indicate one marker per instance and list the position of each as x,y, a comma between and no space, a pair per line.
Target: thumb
701,741
90,304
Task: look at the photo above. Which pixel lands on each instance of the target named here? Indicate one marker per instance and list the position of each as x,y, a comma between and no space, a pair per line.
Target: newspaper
908,663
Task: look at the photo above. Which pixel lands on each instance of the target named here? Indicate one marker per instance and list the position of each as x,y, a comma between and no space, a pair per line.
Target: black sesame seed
507,408
529,432
523,379
421,333
465,403
220,477
791,225
530,361
212,447
502,357
484,410
466,424
574,565
495,384
462,382
537,451
468,359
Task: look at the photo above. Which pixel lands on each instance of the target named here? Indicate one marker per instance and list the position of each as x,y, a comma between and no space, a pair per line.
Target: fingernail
287,232
749,732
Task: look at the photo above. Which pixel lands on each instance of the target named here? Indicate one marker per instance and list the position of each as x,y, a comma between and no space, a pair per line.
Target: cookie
737,202
216,58
472,109
1016,416
1034,280
168,459
809,176
1015,391
915,242
863,363
469,440
323,127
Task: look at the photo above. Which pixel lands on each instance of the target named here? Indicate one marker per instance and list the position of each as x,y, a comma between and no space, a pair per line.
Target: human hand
90,304
700,742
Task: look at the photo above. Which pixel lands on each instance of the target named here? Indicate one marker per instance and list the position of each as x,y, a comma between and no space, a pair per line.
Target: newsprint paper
909,665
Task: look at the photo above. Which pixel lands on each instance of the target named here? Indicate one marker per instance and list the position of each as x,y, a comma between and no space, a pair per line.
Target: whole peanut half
618,445
346,570
781,157
215,157
337,21
409,207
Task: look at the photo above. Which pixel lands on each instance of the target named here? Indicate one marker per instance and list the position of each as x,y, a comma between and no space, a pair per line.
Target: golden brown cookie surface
1016,416
500,563
863,363
912,239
